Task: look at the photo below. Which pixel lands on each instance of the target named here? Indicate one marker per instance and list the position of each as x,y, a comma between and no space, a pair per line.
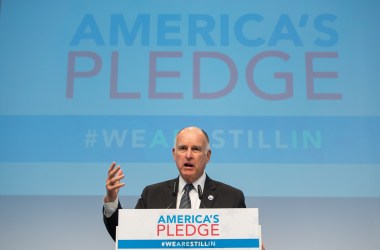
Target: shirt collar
201,181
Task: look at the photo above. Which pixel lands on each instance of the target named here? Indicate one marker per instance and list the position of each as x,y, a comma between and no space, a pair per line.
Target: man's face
191,153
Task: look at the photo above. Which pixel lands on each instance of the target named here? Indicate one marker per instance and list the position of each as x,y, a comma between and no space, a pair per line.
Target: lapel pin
210,197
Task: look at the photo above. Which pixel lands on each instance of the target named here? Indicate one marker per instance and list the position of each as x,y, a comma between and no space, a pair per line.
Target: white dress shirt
194,197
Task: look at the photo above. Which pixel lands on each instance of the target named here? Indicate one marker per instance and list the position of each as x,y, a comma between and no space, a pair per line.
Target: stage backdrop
287,91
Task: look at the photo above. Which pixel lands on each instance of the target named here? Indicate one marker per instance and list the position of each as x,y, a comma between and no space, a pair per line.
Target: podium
232,228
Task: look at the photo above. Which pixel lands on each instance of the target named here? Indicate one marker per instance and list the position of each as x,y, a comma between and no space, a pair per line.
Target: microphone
200,194
174,189
171,204
174,194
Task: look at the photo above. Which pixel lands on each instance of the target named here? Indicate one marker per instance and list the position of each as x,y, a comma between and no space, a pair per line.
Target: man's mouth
189,165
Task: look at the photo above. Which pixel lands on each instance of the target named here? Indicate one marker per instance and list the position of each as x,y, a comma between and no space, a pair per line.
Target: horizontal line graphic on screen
308,140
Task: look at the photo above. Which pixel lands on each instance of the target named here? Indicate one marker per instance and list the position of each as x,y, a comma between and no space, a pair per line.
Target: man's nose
189,154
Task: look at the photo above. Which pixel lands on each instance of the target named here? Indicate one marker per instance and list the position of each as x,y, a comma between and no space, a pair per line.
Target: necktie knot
188,187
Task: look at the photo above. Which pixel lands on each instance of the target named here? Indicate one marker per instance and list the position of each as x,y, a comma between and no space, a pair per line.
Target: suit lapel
171,196
209,194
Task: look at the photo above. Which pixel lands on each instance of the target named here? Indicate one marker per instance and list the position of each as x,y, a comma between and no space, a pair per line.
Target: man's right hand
113,184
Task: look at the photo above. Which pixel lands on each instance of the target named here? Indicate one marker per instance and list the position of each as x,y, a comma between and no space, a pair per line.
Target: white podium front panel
188,228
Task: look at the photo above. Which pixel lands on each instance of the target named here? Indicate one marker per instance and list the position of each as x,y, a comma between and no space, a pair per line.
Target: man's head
191,153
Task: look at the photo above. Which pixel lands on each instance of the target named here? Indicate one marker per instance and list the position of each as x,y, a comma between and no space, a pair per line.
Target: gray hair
204,133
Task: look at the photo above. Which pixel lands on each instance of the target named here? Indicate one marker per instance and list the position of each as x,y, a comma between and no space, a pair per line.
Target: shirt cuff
110,207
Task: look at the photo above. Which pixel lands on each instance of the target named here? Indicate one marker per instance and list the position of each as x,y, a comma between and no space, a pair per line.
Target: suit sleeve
240,201
141,203
112,222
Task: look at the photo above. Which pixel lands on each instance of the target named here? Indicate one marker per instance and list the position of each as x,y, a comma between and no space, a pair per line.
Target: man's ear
209,154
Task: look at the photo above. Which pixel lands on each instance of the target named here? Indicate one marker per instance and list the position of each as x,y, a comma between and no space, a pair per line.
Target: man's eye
182,149
197,149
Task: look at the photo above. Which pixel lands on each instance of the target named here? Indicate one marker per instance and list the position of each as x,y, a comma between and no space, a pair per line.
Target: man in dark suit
191,154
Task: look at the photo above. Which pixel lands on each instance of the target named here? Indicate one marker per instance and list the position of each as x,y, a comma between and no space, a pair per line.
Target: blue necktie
185,199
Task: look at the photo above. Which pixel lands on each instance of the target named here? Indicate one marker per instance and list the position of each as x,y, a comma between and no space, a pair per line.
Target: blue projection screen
288,92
